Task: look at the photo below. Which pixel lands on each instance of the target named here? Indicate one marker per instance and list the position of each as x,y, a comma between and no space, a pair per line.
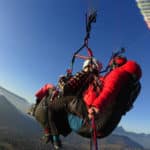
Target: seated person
100,97
70,90
115,96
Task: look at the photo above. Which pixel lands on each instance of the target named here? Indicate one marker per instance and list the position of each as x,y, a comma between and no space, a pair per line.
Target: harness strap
93,135
91,18
114,54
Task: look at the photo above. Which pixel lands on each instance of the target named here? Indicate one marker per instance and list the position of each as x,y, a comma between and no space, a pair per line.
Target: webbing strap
91,18
94,135
74,55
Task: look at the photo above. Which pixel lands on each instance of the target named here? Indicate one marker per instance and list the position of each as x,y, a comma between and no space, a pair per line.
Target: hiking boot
46,138
57,145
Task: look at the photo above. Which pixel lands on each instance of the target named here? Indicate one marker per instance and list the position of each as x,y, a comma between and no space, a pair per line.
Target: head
117,61
92,64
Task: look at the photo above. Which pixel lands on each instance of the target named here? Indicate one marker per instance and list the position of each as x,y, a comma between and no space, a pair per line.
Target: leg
57,118
41,116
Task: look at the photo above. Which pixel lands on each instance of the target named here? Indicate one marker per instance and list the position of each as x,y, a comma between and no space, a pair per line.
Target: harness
89,20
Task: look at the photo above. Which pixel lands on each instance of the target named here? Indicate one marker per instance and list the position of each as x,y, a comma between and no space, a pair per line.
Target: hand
92,111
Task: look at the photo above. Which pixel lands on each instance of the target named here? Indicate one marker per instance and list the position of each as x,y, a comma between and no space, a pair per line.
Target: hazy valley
18,131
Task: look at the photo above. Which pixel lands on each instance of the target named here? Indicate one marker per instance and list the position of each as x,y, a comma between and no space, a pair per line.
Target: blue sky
38,38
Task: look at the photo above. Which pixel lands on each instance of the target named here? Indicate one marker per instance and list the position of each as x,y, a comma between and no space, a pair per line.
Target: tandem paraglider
90,102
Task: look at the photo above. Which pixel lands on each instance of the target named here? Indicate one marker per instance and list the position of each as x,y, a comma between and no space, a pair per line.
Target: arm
112,86
79,81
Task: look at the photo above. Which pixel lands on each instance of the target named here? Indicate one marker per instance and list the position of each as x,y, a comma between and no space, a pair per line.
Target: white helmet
93,63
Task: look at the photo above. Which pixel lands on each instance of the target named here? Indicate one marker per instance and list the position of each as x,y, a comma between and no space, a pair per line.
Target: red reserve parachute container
43,91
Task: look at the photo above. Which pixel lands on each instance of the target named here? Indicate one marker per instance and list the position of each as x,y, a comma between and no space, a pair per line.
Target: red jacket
112,83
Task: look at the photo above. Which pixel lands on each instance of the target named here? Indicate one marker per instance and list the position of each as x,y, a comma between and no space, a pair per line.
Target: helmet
117,61
92,63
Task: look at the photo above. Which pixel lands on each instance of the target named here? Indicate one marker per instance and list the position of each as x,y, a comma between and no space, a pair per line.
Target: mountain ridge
20,103
141,138
28,127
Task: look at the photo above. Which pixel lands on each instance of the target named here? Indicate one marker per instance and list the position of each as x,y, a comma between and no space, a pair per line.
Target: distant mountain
120,142
112,142
18,131
142,139
19,102
13,120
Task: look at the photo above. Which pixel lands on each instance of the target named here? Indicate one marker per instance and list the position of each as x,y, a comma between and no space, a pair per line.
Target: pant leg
52,123
58,113
41,113
53,115
58,110
57,116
